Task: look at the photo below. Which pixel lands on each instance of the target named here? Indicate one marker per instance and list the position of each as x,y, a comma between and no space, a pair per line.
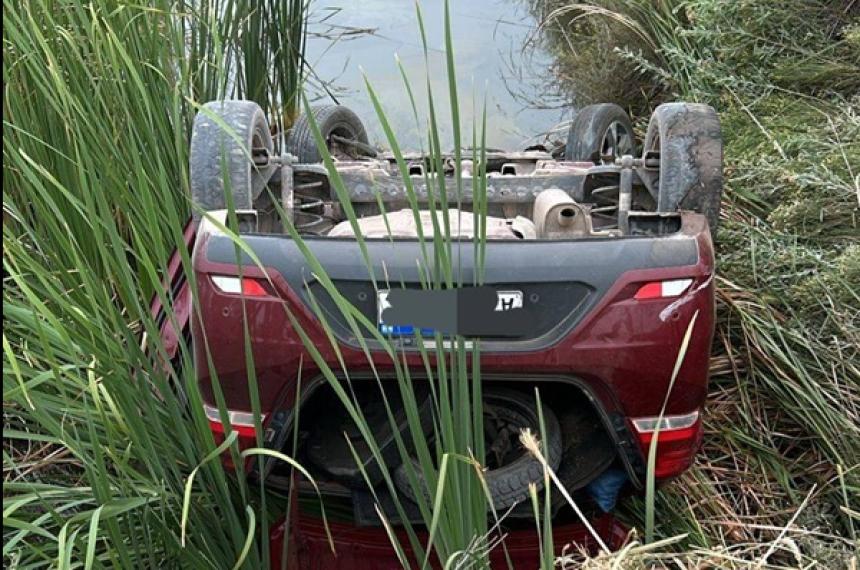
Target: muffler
557,215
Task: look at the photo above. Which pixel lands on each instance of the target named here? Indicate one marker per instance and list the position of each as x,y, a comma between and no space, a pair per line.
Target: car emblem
509,300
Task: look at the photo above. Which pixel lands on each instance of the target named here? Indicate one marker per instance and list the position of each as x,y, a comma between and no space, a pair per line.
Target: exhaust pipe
557,215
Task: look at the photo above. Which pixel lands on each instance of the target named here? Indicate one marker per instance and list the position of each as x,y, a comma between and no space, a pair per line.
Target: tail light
662,289
240,422
678,439
247,286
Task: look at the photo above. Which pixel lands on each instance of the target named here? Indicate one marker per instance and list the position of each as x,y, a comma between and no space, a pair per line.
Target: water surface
492,54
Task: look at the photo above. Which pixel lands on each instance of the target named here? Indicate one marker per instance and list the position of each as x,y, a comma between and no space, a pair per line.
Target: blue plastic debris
604,490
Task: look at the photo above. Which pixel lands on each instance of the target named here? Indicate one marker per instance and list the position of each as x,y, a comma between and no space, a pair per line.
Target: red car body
619,347
370,548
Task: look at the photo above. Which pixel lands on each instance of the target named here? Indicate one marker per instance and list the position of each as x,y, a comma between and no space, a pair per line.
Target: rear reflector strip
243,422
245,286
662,289
665,423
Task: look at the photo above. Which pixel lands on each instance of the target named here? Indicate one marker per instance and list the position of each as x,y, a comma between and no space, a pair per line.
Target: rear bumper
620,349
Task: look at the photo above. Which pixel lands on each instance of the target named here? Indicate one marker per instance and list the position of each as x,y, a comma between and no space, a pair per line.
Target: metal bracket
287,198
248,221
625,191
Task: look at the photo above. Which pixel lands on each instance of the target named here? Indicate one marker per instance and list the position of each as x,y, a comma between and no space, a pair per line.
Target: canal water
493,54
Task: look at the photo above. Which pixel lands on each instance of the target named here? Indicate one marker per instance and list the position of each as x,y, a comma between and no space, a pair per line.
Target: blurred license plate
391,328
473,311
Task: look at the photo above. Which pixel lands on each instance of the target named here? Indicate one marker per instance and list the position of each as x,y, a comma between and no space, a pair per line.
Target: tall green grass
253,50
97,107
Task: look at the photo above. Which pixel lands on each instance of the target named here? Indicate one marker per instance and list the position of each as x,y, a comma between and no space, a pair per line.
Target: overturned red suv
596,264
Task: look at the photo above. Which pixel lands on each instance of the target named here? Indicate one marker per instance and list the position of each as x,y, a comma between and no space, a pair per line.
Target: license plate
506,301
393,329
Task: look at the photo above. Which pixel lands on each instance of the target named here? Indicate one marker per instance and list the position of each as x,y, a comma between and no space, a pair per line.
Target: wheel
510,468
599,134
331,120
220,154
687,140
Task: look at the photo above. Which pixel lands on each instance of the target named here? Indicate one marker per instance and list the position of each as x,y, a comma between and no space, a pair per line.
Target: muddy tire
220,154
688,140
600,134
331,120
508,484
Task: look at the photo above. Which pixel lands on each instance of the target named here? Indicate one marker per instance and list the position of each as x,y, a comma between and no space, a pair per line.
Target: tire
508,484
215,149
690,145
587,452
600,134
331,120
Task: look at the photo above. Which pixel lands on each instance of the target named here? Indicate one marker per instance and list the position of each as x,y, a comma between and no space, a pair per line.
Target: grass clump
98,101
782,443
